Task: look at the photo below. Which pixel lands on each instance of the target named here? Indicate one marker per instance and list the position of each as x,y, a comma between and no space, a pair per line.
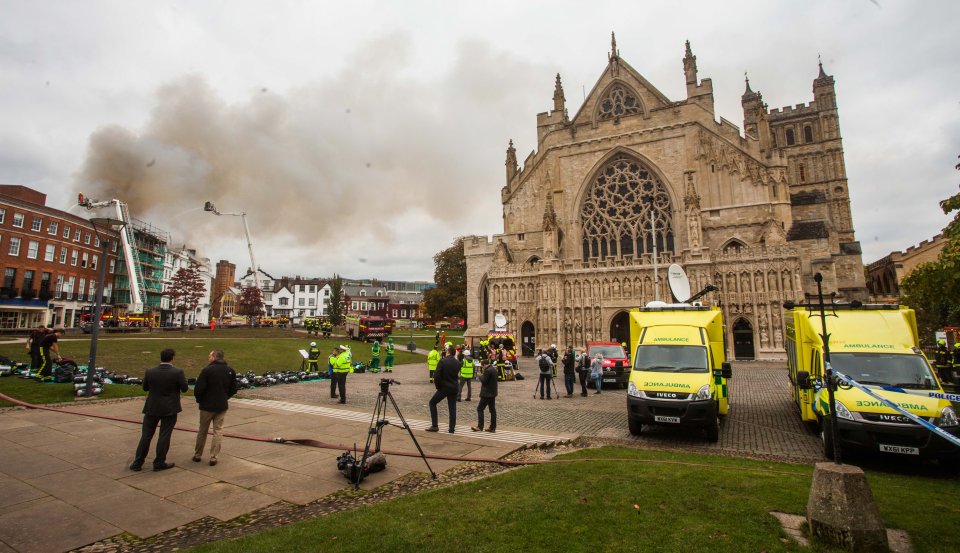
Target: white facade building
173,262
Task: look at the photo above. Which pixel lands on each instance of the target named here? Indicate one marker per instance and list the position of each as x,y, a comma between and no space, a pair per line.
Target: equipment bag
544,364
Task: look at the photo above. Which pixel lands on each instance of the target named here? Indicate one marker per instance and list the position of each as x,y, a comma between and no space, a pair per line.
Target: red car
616,364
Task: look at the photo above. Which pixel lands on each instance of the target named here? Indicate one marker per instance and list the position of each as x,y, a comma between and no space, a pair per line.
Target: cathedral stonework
634,177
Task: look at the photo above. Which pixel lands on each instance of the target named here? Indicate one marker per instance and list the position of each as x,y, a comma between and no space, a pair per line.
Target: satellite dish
500,321
679,283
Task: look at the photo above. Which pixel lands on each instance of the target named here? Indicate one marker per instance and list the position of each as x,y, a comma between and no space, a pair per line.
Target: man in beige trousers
215,386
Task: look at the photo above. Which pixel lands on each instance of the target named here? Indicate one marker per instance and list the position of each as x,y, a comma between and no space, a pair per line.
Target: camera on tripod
385,384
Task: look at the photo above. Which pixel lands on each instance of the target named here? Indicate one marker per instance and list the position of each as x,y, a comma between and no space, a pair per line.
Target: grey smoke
329,166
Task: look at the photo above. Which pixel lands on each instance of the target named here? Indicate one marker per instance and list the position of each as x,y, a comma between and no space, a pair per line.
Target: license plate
674,420
903,450
609,379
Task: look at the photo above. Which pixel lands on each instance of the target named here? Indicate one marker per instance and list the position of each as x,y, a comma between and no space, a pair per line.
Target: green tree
250,303
449,298
185,291
933,289
335,309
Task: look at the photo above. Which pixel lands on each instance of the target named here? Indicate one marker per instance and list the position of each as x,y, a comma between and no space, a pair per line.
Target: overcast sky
361,137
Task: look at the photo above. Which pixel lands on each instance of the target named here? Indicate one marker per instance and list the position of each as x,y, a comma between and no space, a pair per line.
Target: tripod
378,421
551,384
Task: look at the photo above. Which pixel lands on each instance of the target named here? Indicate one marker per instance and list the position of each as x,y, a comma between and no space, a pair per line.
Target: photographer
569,372
583,367
546,372
488,398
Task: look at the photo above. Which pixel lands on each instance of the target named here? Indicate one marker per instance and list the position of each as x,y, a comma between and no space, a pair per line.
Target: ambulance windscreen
885,369
671,359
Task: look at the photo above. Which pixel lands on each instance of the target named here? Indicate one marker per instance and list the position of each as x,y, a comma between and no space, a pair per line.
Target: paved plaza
73,469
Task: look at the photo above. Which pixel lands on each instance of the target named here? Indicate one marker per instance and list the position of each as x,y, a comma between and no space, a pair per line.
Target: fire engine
368,328
113,316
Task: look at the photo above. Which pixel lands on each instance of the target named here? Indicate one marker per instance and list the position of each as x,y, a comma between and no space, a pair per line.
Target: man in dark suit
216,384
445,379
163,385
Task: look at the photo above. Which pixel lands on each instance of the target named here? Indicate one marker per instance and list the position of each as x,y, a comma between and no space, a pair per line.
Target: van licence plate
609,379
903,450
674,420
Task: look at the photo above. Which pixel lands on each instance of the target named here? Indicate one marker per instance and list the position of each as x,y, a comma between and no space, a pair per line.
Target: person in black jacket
216,384
163,385
488,398
583,367
445,379
569,372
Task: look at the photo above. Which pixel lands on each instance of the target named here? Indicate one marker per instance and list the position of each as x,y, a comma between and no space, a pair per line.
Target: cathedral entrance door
528,339
743,340
620,329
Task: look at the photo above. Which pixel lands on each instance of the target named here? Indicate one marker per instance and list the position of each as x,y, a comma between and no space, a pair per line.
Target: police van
877,346
679,375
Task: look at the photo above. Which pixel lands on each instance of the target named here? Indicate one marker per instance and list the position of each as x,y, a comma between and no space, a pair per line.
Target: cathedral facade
635,181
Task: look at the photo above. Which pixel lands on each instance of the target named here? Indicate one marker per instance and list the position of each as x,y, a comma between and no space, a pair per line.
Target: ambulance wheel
636,427
826,438
713,430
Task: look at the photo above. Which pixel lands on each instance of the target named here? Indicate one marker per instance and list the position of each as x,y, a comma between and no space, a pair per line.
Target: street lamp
99,224
208,206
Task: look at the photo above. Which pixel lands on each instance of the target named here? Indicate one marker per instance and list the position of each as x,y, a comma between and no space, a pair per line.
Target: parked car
616,364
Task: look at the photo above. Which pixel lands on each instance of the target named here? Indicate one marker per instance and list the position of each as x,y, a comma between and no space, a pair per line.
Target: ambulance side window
815,364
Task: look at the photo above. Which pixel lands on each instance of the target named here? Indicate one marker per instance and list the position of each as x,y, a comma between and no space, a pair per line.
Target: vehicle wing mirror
726,370
803,380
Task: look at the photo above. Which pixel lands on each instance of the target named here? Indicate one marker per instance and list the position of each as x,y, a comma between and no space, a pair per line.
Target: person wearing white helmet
313,358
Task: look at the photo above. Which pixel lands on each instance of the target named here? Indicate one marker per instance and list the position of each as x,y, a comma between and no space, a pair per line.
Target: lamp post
208,206
653,233
98,224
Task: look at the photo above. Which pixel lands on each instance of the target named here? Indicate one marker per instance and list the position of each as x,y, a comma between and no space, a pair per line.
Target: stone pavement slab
166,483
140,513
77,486
239,472
300,488
16,491
29,530
223,501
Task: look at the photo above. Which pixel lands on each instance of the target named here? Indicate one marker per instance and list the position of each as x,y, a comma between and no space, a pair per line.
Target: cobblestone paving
762,420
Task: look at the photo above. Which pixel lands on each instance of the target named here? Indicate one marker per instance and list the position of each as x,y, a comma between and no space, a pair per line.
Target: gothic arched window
615,215
619,101
790,138
733,246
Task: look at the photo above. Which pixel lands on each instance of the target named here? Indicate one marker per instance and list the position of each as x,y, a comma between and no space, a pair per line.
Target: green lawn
678,502
258,350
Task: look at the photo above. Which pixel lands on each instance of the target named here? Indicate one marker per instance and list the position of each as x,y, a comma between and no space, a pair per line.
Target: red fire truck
368,328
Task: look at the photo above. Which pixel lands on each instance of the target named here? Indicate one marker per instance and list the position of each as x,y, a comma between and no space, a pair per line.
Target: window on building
9,277
68,287
313,288
300,302
301,288
807,134
363,292
521,237
45,285
113,246
326,293
58,290
36,224
33,248
791,140
363,306
84,259
93,263
76,235
49,252
3,215
394,313
66,231
63,255
112,266
313,302
354,305
96,241
92,291
18,220
73,257
28,276
379,293
82,289
773,137
86,238
284,302
803,175
53,227
14,246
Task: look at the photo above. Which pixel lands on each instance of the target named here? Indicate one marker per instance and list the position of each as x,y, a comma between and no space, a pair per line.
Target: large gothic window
620,101
616,212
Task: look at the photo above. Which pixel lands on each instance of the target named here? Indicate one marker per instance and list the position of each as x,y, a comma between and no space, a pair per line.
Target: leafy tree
250,303
449,298
185,291
933,289
335,309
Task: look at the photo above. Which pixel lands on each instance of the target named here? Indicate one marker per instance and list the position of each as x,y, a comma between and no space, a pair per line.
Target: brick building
51,261
224,278
885,275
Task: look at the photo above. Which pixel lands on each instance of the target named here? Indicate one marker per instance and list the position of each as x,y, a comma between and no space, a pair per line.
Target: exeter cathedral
633,176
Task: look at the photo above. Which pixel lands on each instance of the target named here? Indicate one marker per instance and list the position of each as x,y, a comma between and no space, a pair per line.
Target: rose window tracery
620,101
615,215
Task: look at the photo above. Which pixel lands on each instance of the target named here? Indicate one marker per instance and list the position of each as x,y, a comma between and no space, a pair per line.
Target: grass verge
632,500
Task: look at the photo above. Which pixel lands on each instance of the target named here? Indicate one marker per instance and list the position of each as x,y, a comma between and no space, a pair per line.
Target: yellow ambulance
876,346
679,375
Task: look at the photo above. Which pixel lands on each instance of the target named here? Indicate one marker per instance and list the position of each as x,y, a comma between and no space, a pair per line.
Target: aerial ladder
134,271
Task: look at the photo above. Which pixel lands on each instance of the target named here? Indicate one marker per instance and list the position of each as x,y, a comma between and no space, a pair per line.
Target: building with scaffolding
150,246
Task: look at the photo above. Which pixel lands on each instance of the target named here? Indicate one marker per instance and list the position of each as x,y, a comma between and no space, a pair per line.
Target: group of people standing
574,363
216,384
449,374
44,348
